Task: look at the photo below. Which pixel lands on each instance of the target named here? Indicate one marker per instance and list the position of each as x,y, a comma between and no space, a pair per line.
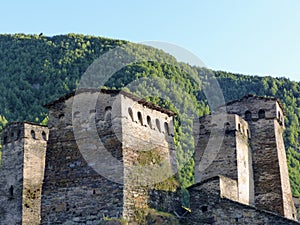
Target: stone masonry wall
213,158
22,171
111,135
148,153
245,167
288,203
11,175
35,145
74,190
266,121
229,156
208,207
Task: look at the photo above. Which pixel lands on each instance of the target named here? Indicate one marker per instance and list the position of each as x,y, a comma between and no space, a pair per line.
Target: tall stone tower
222,148
22,172
103,146
265,117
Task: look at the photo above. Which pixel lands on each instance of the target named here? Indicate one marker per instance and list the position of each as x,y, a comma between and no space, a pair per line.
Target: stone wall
266,120
24,146
34,164
208,207
107,150
222,148
74,190
11,179
111,154
215,147
288,203
148,153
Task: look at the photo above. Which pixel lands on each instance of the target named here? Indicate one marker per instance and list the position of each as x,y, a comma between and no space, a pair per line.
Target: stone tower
21,174
222,148
265,117
102,147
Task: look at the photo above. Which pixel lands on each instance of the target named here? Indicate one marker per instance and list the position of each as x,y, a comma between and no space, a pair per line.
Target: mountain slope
36,69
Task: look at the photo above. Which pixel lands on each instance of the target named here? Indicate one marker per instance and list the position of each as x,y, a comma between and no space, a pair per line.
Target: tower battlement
19,130
255,108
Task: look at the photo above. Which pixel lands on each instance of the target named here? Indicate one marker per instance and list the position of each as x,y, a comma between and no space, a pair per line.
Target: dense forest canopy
36,69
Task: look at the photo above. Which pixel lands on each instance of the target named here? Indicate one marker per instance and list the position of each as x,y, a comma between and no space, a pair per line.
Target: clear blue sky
257,37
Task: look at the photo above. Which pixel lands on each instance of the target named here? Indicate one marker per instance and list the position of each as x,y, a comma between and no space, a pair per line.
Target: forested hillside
35,70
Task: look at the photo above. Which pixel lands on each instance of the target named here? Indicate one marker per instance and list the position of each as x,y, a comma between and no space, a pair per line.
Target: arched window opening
261,114
130,113
108,108
5,140
149,121
44,136
158,124
248,116
33,134
61,116
167,128
107,115
11,191
204,208
140,118
12,134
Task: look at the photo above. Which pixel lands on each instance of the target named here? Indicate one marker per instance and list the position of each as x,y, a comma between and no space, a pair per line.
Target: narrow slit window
32,134
158,125
149,121
44,135
11,191
130,113
140,118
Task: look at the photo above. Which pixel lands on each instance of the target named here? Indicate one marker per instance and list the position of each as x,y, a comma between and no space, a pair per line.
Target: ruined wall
22,171
222,148
266,121
209,207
